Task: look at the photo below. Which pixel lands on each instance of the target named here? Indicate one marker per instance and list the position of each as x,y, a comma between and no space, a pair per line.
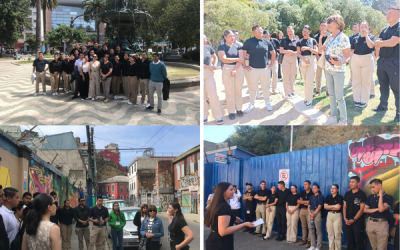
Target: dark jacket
4,242
137,221
66,215
81,214
144,69
55,66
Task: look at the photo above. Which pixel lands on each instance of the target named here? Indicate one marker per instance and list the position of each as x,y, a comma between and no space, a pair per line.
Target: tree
64,33
31,41
13,21
289,15
93,7
381,5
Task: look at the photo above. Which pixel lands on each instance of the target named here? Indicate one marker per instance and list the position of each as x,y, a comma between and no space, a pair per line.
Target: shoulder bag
321,61
302,62
280,59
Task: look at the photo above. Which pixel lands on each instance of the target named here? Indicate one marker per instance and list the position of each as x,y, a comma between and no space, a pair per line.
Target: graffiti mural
5,180
73,196
190,180
376,157
165,200
40,180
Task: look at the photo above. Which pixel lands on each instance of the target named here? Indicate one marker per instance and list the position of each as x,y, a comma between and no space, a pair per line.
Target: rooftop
187,153
116,179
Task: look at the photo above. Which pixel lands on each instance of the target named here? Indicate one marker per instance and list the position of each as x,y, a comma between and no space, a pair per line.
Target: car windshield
109,205
129,214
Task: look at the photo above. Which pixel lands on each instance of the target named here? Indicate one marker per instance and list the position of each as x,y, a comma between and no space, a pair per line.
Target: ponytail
36,209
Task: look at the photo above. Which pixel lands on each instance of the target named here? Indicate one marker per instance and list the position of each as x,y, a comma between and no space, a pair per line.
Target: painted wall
186,171
13,170
117,189
112,156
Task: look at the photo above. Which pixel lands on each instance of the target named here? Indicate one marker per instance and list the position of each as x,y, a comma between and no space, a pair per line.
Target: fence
324,166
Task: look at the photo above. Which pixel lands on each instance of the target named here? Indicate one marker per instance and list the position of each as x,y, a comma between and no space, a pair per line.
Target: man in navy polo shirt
388,63
259,70
39,65
99,216
377,207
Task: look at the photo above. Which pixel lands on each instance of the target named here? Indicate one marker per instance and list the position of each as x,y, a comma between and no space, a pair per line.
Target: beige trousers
106,87
362,70
54,77
132,85
94,84
125,85
351,68
317,226
144,86
334,229
41,76
270,216
97,238
83,233
260,213
308,73
289,70
66,232
305,220
318,77
233,87
210,93
264,77
378,234
116,84
274,70
66,78
292,220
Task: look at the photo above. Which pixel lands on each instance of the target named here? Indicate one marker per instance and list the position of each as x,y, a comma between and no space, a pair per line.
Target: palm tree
93,7
38,4
45,5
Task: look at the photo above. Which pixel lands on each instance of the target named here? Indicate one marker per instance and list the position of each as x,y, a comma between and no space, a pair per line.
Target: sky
166,140
217,134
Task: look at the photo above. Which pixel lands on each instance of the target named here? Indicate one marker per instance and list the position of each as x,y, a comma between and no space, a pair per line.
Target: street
191,219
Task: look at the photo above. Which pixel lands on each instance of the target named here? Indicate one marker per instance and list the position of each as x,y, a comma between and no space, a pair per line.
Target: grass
178,72
355,115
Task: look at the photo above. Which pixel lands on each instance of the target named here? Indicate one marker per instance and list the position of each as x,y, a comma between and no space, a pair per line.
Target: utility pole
89,182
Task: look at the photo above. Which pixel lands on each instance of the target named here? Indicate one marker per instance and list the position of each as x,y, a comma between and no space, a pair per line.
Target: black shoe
356,104
159,112
232,116
380,107
239,113
246,230
251,231
263,235
277,238
149,107
75,96
282,238
254,233
397,118
317,94
371,96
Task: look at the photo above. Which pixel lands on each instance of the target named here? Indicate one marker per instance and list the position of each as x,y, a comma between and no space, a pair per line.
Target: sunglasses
306,31
333,188
330,21
152,210
54,203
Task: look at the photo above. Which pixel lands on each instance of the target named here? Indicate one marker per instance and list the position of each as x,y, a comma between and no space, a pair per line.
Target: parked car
131,232
109,204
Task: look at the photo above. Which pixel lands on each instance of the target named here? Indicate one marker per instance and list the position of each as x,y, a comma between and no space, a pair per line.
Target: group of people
288,206
37,222
82,72
261,59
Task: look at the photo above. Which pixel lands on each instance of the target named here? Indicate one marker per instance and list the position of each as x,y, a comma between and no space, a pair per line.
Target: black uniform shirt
316,37
386,34
305,196
105,68
66,215
208,52
55,66
310,42
250,203
258,51
288,44
282,198
230,52
144,68
331,201
272,197
133,69
81,214
262,193
40,64
353,202
96,213
292,199
117,69
360,45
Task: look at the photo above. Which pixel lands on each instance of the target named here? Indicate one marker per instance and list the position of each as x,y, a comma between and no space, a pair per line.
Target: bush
186,56
195,55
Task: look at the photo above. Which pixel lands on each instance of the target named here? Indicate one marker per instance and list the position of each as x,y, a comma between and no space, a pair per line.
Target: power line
163,136
51,146
124,143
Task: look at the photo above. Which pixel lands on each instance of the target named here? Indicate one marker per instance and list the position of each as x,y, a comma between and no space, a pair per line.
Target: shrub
186,56
195,55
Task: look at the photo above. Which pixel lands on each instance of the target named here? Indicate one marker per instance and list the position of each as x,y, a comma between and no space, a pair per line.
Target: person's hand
381,192
269,66
305,48
149,235
248,68
336,63
324,33
378,43
96,221
83,78
90,78
45,69
269,209
364,31
346,221
350,222
238,220
177,247
249,224
307,61
233,73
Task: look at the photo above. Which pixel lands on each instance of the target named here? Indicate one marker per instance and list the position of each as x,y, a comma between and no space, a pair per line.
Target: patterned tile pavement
18,106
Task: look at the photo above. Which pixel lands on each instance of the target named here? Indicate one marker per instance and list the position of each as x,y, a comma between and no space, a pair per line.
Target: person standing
112,56
81,217
306,51
303,201
40,232
117,223
66,73
249,208
39,66
337,51
85,79
353,209
94,76
77,48
104,51
72,82
178,228
315,205
288,47
281,211
99,216
96,50
362,65
152,228
271,211
132,72
396,216
4,241
78,64
235,201
124,72
275,43
158,73
318,74
377,207
10,201
66,215
333,204
356,33
116,76
144,77
140,216
292,214
55,68
84,51
280,37
261,197
120,54
26,198
105,73
259,71
388,48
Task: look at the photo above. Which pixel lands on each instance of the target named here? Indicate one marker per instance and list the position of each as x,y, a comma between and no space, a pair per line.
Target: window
122,187
191,167
134,185
108,188
178,172
127,188
112,188
183,170
122,197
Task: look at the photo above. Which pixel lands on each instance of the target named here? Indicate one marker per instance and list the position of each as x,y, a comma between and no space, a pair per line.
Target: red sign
284,175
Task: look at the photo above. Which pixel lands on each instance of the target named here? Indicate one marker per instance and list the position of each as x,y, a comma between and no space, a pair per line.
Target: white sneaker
332,120
250,108
148,105
311,248
130,103
93,99
140,103
269,106
266,237
35,94
52,94
96,98
82,99
56,93
116,97
44,93
125,98
308,103
258,96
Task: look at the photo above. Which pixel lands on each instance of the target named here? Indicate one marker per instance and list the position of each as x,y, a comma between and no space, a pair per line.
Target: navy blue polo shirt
258,50
351,37
373,201
208,52
360,45
310,42
230,52
40,64
275,43
316,201
386,34
95,213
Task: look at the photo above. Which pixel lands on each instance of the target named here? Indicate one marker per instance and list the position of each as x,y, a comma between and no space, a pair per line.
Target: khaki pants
125,85
144,86
210,93
292,222
308,73
106,87
362,70
54,82
264,77
233,87
81,233
260,213
97,238
270,216
351,69
66,78
94,84
378,233
155,87
274,70
289,71
305,220
132,84
41,76
247,75
334,229
317,226
318,77
116,84
66,231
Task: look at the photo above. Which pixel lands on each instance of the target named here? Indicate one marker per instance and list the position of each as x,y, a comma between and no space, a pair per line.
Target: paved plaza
18,106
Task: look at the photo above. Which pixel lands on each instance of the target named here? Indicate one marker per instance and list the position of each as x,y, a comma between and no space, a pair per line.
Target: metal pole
291,137
27,132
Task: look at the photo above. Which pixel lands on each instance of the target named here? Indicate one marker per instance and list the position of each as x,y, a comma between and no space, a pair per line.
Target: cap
249,184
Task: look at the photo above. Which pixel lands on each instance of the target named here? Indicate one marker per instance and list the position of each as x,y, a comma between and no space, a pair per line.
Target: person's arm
189,237
393,41
223,225
299,55
24,243
90,76
34,67
164,71
274,203
111,222
345,59
286,52
109,72
273,58
250,198
287,207
142,232
345,212
370,43
90,217
314,49
55,238
382,206
161,233
368,210
317,210
238,64
257,197
224,59
81,70
360,212
301,202
107,216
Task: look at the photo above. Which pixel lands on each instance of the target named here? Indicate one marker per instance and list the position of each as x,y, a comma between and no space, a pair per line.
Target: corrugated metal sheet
64,141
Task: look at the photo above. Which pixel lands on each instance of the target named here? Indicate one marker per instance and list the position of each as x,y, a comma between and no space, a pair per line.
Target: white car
109,204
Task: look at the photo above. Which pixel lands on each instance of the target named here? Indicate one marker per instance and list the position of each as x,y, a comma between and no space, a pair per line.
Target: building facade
111,156
13,131
116,187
